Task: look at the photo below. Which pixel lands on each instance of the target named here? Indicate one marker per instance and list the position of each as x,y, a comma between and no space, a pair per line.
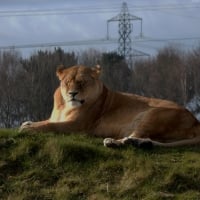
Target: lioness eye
64,83
79,83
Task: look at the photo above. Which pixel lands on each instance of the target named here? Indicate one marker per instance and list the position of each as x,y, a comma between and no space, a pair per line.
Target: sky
29,22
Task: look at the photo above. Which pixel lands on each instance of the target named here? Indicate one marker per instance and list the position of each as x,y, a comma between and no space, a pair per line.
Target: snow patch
194,106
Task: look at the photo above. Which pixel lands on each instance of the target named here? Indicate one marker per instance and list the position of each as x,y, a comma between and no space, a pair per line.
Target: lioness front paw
27,123
26,127
110,142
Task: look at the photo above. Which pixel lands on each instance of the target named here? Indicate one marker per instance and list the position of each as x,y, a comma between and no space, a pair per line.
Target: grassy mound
78,167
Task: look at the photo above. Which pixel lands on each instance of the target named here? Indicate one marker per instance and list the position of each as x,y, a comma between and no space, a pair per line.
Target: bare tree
116,74
90,57
163,76
11,103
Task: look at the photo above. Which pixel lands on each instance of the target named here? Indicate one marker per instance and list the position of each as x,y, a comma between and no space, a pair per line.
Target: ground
79,167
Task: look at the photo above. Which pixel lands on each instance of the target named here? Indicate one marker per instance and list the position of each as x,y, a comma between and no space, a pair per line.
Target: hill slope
73,167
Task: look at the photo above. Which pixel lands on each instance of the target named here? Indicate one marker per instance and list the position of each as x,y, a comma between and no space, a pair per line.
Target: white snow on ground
194,106
197,116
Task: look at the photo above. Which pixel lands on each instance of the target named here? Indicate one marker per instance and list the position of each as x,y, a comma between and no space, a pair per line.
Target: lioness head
79,84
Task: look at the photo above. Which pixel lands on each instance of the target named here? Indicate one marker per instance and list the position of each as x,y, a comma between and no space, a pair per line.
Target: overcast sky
48,21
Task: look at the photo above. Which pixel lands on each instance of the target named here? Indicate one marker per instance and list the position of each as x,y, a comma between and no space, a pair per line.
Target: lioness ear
59,71
97,70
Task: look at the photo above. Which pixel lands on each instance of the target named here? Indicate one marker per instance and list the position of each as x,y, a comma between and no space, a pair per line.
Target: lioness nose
73,93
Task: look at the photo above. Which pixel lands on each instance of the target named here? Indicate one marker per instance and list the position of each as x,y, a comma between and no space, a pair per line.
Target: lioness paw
26,126
27,123
110,142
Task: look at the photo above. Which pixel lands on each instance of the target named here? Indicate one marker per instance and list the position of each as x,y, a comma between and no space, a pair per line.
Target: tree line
27,84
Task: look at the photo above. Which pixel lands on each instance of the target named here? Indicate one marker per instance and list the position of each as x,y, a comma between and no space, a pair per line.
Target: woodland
27,84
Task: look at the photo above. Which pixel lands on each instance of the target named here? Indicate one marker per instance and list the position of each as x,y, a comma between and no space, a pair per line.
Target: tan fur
120,118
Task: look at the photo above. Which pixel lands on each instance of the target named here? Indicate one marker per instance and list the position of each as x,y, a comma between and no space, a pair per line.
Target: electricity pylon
125,29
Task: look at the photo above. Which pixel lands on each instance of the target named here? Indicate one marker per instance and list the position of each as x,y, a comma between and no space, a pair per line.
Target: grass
78,167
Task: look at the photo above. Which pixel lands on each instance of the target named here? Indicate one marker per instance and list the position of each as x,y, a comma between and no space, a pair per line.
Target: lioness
82,103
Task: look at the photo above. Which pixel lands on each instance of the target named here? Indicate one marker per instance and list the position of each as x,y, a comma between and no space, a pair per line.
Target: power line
77,10
165,6
67,43
101,41
88,10
169,39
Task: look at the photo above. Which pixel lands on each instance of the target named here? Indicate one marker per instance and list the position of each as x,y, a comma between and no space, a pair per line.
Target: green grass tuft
73,167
